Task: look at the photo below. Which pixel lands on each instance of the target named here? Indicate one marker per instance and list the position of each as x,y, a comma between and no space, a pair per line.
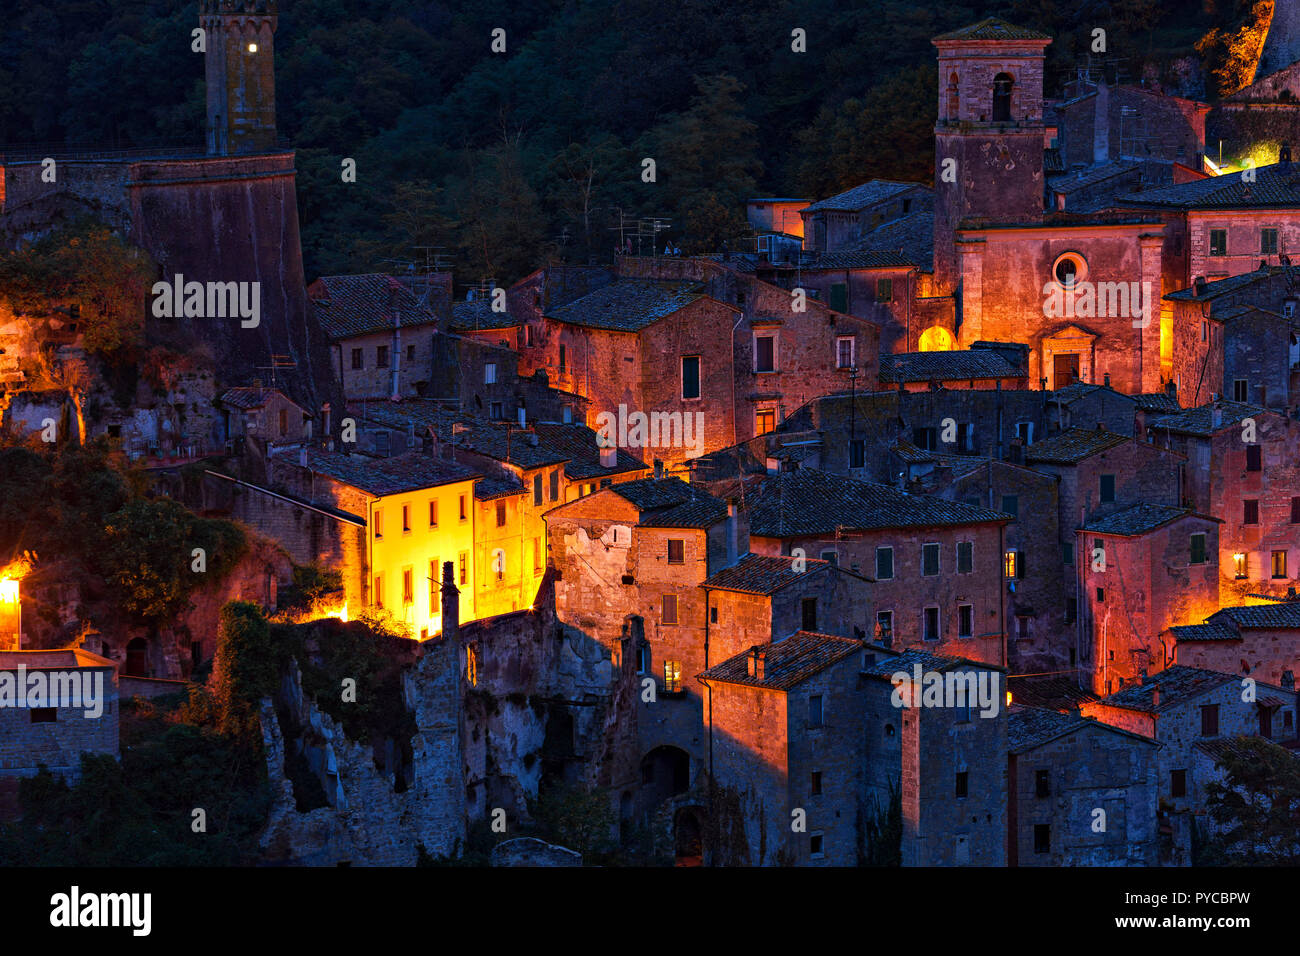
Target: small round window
1069,270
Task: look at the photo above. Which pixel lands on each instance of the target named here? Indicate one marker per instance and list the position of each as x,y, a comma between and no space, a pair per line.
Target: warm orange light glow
8,591
937,339
252,48
1008,698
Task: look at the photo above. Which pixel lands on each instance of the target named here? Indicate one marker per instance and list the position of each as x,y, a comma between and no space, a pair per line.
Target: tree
1256,806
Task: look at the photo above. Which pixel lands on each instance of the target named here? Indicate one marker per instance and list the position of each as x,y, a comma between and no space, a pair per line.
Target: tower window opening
1002,84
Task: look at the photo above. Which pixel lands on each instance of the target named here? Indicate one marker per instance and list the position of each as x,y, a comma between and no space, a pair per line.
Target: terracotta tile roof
1136,520
1281,614
860,197
1073,445
911,237
578,443
946,366
1226,286
1084,178
862,259
1177,684
1200,420
248,398
478,316
993,28
789,662
1204,632
498,486
1275,186
1050,692
1030,727
1230,746
887,663
762,574
387,476
671,503
1157,402
361,304
628,305
809,502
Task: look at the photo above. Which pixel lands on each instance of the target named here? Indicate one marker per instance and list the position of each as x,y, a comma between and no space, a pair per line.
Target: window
808,609
925,438
965,557
884,564
528,336
45,715
884,626
1009,564
676,551
408,586
816,846
284,422
379,522
713,615
1107,489
690,376
1025,432
381,357
490,373
858,453
839,297
1101,595
764,420
410,353
435,588
670,609
462,567
501,514
1268,242
965,436
464,511
1198,549
1042,783
537,488
1011,505
1254,458
1239,565
1250,511
1178,783
931,624
965,620
563,362
929,560
1218,242
1240,388
1295,510
1279,564
1002,84
357,360
884,290
764,353
815,711
1071,610
844,348
1209,720
537,555
1042,838
672,677
433,512
379,590
963,778
496,411
831,557
643,658
1067,554
815,785
555,485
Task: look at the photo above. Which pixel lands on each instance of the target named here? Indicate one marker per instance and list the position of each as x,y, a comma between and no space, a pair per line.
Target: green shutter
839,297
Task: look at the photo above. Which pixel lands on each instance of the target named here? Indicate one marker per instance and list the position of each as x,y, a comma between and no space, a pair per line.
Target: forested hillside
509,159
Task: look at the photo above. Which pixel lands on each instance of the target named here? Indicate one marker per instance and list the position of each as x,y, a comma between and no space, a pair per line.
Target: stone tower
240,70
990,137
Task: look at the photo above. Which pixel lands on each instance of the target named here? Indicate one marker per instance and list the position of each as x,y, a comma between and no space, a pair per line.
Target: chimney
523,418
1198,286
733,534
1101,125
302,456
1106,379
1288,680
450,603
659,468
1155,696
1216,416
757,662
608,456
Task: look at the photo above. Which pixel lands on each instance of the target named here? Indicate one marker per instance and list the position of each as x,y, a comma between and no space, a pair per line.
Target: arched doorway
665,773
137,658
937,339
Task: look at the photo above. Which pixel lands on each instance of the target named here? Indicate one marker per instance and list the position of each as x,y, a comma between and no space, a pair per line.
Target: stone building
785,724
1079,792
986,365
1180,707
942,757
1243,466
936,565
1142,570
76,712
266,415
1258,640
837,223
1100,123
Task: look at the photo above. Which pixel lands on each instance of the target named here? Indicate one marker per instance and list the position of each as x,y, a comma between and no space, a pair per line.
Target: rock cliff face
379,810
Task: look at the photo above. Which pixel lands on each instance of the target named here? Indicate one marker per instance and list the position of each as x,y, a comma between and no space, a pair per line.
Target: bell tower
239,44
990,136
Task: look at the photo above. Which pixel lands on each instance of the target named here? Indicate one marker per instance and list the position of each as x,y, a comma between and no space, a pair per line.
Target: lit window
464,512
1010,564
252,48
764,421
673,677
406,519
1239,565
462,564
1279,564
435,588
408,586
433,513
379,523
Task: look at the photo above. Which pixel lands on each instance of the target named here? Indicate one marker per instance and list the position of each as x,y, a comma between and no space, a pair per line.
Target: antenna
277,362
